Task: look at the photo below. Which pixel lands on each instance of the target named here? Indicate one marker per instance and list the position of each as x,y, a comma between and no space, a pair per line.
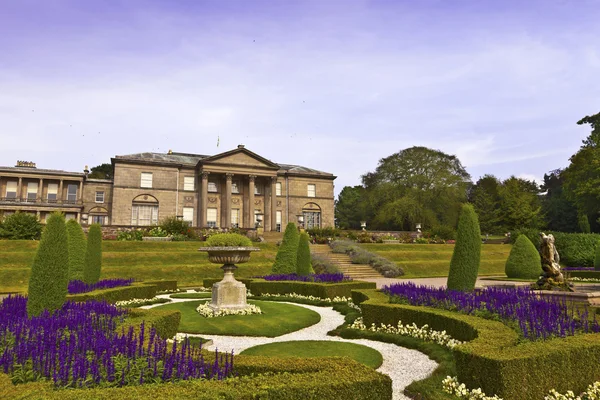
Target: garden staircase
272,237
343,262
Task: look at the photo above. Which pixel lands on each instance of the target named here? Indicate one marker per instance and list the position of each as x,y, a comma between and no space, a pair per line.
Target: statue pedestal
228,294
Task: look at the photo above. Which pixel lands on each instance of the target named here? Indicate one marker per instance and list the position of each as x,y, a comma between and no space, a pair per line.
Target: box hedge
464,264
93,256
162,286
524,260
331,378
135,291
493,359
77,245
287,254
166,322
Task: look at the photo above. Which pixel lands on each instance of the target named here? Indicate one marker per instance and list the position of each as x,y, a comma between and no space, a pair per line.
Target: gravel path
401,364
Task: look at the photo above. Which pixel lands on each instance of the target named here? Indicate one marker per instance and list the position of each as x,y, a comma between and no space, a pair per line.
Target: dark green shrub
228,240
597,257
77,248
524,261
287,254
303,262
584,223
443,232
93,255
20,226
130,234
328,232
467,252
50,270
174,226
575,249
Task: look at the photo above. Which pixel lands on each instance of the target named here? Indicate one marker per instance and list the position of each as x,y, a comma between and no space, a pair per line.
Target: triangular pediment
240,157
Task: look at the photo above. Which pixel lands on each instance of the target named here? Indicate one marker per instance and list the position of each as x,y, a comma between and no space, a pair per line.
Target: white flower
206,311
135,302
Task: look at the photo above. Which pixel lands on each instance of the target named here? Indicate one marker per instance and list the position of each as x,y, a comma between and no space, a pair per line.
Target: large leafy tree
102,171
417,184
560,213
520,205
485,197
350,207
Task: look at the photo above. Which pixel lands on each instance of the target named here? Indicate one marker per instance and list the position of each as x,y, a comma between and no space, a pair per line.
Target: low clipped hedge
331,378
162,286
493,359
259,287
135,291
166,322
585,274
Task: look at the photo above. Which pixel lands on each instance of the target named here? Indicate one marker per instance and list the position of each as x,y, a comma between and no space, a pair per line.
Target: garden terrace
494,359
318,278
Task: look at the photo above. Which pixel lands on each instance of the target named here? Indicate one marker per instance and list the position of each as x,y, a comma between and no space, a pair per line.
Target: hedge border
584,274
492,359
135,291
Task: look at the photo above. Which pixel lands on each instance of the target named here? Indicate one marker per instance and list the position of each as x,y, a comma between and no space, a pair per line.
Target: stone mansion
237,188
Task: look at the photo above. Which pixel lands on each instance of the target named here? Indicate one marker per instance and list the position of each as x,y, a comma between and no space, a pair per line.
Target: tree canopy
102,171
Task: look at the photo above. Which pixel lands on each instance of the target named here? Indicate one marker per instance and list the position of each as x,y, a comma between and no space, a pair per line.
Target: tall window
211,217
212,187
99,197
235,218
146,180
258,189
312,190
69,216
52,192
188,183
144,215
278,189
188,214
278,221
235,187
11,190
71,193
32,189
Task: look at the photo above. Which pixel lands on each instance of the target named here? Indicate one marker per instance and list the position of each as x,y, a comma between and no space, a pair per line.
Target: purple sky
332,85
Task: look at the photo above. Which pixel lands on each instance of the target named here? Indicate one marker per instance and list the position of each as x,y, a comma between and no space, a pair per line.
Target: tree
102,171
303,264
464,264
520,205
415,185
349,207
77,249
524,260
20,225
50,269
485,197
597,257
93,255
287,254
559,212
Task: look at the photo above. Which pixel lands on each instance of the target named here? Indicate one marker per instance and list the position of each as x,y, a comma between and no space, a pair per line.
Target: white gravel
401,364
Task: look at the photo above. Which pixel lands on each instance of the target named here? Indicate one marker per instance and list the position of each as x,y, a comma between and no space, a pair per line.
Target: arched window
312,215
144,210
98,215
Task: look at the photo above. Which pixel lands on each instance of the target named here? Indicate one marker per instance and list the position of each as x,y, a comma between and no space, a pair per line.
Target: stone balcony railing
45,202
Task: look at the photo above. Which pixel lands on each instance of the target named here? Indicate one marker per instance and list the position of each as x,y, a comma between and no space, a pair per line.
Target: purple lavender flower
76,287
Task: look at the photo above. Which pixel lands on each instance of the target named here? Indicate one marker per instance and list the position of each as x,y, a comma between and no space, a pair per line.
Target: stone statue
550,261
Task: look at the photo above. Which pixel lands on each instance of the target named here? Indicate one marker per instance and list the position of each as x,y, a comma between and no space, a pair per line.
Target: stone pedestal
229,294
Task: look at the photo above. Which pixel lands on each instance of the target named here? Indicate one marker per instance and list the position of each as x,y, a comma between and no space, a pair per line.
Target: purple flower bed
577,268
535,317
319,278
78,346
76,287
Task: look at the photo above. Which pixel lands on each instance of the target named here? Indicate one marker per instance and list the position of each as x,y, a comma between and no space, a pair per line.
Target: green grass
277,319
433,260
201,295
316,348
179,261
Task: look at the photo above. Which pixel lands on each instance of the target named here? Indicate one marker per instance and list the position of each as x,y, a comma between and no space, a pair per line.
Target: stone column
19,189
251,179
80,194
40,192
60,192
203,200
273,203
226,208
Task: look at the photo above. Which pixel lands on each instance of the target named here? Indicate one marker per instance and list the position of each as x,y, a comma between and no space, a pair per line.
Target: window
188,214
144,215
256,214
212,187
188,183
11,190
235,187
258,189
99,197
71,193
32,188
312,190
99,219
52,192
211,217
69,216
146,181
235,218
278,221
278,189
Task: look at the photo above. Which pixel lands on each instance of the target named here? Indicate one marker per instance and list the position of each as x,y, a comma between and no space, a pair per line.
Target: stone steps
345,265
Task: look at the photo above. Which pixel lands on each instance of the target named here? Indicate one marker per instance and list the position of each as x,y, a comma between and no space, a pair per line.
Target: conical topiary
303,263
597,257
467,252
93,255
77,248
285,261
524,261
50,269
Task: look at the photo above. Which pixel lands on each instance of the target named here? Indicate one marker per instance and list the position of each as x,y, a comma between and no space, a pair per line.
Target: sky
331,85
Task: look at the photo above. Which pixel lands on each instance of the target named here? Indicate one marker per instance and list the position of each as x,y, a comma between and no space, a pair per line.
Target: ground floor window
69,216
211,217
235,218
99,219
188,214
312,219
278,221
143,215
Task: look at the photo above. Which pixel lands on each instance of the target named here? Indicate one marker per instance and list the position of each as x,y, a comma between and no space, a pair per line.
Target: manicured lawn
431,260
277,319
201,295
315,348
179,261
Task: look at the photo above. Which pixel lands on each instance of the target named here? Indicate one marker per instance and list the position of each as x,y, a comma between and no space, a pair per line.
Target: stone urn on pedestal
228,294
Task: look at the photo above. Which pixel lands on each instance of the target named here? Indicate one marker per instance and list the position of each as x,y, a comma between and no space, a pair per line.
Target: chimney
86,171
240,146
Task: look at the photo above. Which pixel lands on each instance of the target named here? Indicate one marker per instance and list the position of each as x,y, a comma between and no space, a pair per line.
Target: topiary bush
467,252
228,240
77,246
287,254
50,270
597,257
303,261
93,255
524,260
20,226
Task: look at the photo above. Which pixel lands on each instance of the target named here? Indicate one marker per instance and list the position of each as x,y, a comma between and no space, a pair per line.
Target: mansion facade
237,188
